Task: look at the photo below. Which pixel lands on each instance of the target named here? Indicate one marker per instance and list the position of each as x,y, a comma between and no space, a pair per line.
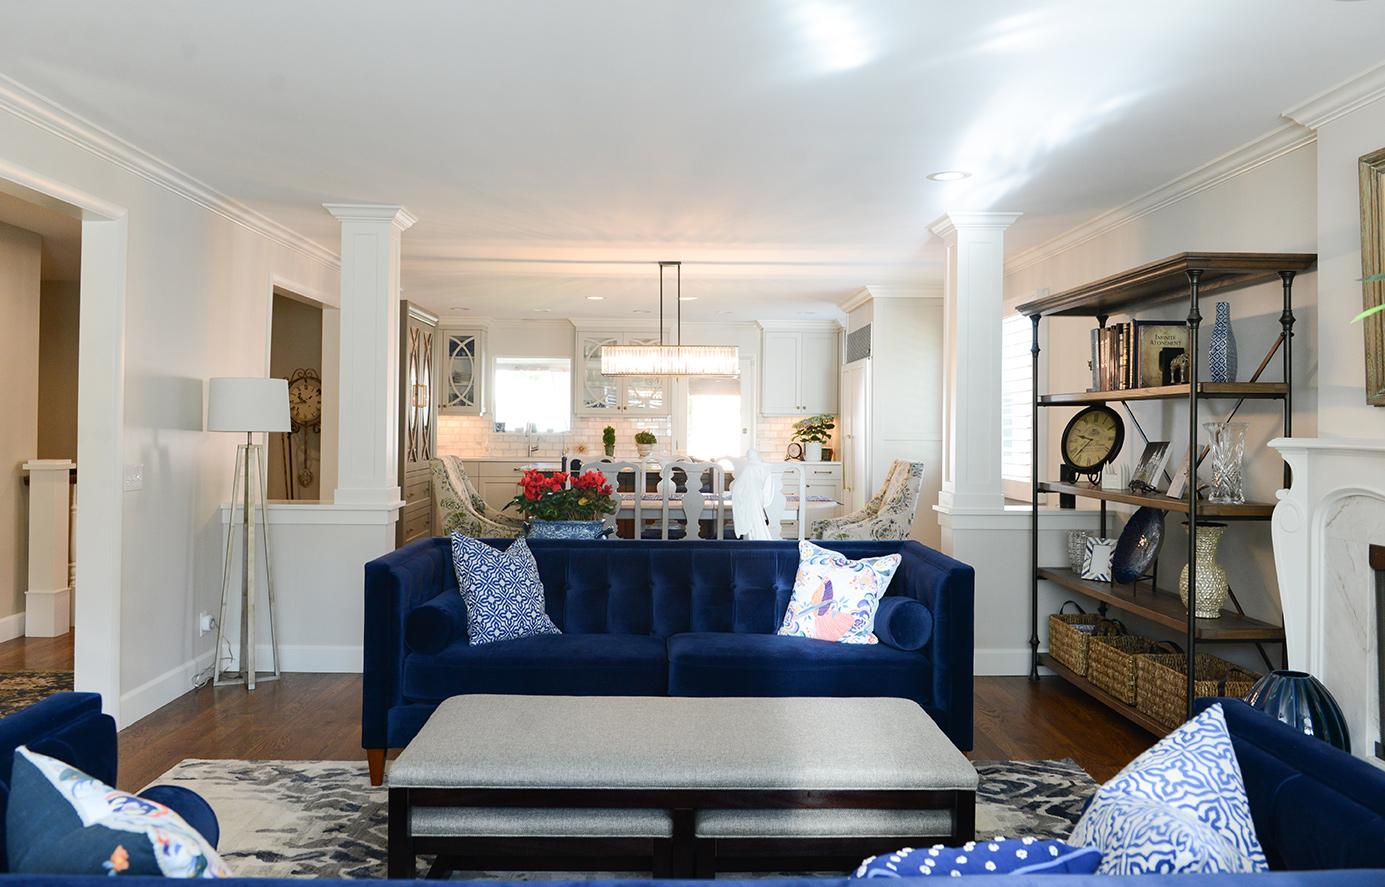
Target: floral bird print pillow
834,597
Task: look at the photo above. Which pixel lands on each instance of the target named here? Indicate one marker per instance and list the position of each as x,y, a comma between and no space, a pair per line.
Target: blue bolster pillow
188,804
903,623
431,627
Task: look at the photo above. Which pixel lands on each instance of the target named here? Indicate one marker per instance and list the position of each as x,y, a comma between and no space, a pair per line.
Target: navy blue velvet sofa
659,618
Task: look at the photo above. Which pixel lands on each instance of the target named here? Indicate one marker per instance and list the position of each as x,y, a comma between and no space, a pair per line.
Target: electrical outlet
205,623
134,477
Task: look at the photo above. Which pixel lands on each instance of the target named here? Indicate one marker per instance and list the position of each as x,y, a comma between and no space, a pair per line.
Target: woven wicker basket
1161,683
1111,662
1069,635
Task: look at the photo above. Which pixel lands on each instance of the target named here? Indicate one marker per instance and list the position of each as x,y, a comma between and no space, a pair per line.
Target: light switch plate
134,477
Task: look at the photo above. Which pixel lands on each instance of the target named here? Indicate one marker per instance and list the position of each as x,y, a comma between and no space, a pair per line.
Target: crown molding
875,291
1339,100
952,222
800,326
1271,146
57,120
397,215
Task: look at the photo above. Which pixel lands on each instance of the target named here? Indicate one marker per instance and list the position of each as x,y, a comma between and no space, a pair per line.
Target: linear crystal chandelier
671,360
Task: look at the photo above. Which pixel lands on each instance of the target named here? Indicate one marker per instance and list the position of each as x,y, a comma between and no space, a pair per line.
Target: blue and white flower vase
1300,700
1221,353
565,529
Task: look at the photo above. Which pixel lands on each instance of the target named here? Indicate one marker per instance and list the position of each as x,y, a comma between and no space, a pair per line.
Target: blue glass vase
1221,352
1300,700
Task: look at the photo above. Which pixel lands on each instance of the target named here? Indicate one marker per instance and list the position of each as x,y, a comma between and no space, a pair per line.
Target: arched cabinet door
462,372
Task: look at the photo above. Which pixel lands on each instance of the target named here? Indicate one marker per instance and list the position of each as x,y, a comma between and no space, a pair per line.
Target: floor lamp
247,406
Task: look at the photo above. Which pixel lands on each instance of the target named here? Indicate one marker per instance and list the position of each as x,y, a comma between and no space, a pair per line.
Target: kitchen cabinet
462,365
800,372
598,395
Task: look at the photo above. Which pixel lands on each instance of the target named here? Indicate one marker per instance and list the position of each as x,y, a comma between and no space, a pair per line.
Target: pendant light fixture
670,360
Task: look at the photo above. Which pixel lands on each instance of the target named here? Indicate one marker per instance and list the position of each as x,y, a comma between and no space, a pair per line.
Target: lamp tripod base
249,481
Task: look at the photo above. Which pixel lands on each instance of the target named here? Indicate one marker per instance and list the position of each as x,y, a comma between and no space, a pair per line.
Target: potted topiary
813,432
644,443
608,440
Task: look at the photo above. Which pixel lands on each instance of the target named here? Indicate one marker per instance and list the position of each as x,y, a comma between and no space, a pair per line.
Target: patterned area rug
21,689
322,819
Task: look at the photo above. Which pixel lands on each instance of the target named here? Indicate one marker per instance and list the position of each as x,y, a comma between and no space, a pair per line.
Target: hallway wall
20,267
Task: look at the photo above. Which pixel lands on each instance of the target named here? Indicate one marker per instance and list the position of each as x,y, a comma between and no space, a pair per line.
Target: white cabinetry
462,371
800,372
598,395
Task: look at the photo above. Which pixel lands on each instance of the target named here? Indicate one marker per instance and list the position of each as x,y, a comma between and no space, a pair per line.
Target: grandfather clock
418,414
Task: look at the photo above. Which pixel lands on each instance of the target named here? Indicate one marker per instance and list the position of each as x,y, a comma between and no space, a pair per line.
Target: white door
856,433
779,369
818,372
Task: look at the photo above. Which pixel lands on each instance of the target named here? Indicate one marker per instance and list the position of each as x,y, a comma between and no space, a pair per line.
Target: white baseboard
12,627
998,662
310,658
154,694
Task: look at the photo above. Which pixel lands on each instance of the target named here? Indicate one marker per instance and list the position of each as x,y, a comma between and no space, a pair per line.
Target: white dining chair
704,486
612,472
776,502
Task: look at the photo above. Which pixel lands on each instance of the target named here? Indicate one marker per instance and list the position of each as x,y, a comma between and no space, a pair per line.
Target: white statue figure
748,493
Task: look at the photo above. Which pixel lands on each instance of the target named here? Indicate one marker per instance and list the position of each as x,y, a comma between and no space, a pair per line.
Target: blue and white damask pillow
1179,807
1001,856
501,589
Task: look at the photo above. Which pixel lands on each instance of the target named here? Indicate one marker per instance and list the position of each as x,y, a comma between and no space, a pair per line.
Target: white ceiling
779,147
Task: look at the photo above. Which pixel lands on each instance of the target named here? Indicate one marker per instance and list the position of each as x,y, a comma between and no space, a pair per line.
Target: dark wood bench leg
442,868
663,858
964,817
403,863
684,863
705,858
375,760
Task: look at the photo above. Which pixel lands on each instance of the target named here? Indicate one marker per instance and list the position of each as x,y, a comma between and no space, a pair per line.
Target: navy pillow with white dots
1028,856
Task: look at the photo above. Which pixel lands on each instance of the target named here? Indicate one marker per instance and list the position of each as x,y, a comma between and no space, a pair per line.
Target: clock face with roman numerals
1092,439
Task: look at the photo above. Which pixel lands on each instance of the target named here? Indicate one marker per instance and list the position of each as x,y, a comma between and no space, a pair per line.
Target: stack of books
1112,349
1139,354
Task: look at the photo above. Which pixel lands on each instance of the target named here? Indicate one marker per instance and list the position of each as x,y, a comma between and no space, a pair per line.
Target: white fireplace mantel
1323,526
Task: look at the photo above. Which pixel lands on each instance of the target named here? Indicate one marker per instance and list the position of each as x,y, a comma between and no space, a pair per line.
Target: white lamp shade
247,405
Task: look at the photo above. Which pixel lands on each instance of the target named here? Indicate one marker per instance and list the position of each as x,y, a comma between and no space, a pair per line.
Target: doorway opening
295,354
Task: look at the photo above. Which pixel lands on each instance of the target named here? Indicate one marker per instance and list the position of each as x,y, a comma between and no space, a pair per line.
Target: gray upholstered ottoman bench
679,786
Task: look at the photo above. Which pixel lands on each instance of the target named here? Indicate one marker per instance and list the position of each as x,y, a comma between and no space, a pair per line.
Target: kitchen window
1016,406
533,391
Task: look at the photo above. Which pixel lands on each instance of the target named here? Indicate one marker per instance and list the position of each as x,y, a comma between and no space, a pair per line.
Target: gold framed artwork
1372,167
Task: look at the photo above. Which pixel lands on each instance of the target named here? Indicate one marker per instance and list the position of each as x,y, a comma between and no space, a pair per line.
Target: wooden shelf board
1129,712
1249,390
1164,608
1167,280
1205,510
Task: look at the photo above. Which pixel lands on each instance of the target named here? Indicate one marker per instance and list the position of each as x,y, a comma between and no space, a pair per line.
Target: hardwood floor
37,654
317,717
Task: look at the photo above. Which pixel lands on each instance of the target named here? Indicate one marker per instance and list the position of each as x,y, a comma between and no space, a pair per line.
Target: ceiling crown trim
53,118
1341,99
1256,153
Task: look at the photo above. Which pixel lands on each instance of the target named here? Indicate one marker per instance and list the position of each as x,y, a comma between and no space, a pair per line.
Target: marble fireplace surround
1323,527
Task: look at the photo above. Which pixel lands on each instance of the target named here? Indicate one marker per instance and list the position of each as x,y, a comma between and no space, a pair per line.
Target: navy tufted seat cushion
565,664
725,664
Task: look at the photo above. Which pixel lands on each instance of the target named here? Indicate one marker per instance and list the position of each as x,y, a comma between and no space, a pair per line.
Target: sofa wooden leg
375,759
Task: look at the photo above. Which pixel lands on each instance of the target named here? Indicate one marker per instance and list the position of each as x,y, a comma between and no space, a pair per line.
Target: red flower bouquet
564,496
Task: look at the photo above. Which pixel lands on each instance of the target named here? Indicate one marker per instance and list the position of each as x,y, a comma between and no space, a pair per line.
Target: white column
48,599
367,409
973,294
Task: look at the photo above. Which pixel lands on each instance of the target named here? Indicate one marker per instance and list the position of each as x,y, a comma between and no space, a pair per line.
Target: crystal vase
1221,352
1211,578
1228,442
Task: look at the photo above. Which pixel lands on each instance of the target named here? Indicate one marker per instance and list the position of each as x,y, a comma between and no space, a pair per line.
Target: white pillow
1179,807
834,597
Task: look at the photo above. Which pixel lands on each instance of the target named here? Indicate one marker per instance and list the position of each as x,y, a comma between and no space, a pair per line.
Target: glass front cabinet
463,358
599,395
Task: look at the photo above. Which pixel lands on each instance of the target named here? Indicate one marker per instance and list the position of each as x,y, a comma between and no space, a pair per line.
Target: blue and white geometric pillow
501,589
61,821
1179,807
1023,856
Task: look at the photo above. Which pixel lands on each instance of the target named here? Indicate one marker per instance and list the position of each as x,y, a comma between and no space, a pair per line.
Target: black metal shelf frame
1194,320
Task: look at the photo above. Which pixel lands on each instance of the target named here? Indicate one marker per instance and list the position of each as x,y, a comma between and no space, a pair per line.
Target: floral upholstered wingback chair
888,515
461,509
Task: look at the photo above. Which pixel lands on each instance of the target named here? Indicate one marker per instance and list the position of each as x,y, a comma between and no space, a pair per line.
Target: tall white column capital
393,213
961,220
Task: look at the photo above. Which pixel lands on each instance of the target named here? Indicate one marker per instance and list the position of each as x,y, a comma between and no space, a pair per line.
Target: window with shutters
1016,404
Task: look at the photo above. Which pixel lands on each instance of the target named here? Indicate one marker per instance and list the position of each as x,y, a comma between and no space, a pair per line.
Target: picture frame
1179,485
1372,170
1096,559
1161,353
1151,467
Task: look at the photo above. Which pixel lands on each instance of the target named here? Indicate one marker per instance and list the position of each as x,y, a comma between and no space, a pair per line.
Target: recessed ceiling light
950,175
460,308
643,311
725,312
596,298
543,309
687,298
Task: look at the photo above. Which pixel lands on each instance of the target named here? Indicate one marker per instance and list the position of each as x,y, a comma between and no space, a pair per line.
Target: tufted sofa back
667,588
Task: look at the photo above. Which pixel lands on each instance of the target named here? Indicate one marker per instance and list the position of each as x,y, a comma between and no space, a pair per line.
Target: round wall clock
305,399
1092,439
